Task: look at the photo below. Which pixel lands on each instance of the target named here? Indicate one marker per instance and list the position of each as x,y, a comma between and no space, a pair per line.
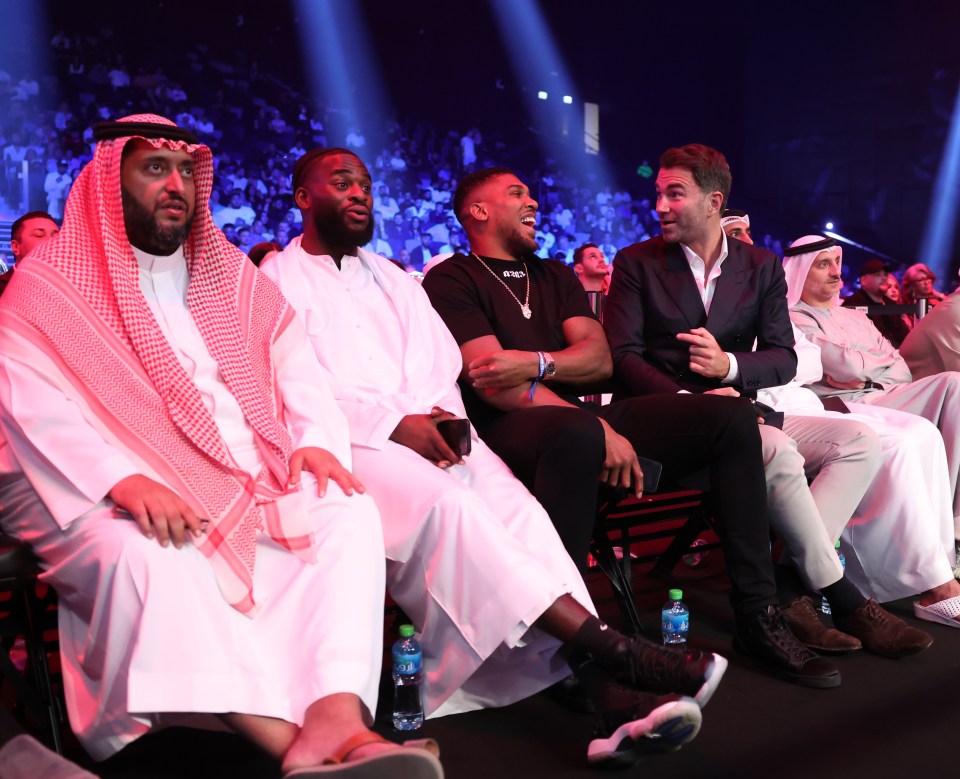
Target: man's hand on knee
157,509
324,466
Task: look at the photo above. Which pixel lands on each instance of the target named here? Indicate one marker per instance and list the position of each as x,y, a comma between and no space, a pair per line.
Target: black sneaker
765,637
669,669
642,724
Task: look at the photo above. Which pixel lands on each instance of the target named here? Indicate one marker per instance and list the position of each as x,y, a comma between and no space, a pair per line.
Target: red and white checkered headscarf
78,298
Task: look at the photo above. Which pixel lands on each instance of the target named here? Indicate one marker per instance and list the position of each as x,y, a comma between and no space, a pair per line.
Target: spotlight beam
851,242
936,249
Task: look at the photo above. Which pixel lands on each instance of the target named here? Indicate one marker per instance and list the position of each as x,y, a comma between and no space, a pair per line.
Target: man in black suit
691,311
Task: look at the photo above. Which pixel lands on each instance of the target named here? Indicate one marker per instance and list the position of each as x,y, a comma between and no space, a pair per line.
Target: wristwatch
551,367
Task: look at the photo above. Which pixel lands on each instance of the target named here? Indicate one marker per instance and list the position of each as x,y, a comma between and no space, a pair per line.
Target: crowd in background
259,125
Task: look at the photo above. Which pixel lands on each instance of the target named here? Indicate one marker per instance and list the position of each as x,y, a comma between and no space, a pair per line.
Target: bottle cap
836,545
675,594
406,631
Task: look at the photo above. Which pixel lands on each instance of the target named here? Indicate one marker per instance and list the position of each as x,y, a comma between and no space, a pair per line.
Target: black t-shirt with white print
473,303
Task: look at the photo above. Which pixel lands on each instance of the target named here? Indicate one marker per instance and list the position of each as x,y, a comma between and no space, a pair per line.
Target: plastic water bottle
824,603
407,664
675,619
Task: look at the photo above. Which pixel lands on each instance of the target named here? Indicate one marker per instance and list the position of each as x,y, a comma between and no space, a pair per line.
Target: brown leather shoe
882,633
803,620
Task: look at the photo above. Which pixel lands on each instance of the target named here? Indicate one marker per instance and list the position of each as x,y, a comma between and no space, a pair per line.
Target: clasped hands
162,514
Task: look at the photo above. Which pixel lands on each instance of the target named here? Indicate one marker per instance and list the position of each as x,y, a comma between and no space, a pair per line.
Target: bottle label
675,623
406,665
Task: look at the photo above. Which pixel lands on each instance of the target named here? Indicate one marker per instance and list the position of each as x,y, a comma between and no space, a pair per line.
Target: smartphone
456,432
651,474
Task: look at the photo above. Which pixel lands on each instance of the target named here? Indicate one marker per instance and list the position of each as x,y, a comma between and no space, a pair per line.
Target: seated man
471,556
693,311
591,268
26,233
933,345
860,365
530,346
162,400
874,281
899,540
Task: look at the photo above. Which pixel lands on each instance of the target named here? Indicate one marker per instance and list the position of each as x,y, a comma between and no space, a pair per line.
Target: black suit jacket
653,296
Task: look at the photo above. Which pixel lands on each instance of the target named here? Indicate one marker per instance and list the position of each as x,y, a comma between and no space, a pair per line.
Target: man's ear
479,212
301,198
15,247
716,201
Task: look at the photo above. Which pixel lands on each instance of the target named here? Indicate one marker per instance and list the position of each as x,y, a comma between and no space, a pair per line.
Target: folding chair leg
679,546
622,588
37,659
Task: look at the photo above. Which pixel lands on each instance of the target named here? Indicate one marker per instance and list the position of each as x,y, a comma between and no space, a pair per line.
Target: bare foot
328,725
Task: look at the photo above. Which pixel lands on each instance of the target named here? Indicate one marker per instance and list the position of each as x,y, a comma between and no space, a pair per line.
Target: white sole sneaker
705,693
665,729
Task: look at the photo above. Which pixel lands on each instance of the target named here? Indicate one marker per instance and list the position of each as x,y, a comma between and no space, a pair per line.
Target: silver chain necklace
525,305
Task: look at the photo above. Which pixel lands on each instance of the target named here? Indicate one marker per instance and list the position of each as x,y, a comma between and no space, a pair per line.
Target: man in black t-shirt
531,346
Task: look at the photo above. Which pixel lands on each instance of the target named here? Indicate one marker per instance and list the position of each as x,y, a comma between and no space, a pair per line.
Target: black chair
24,615
626,523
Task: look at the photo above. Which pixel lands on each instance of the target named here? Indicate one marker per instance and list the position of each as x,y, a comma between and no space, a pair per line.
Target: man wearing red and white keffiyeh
197,515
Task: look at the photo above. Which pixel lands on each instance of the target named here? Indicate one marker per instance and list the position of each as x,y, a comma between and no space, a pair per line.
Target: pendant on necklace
525,310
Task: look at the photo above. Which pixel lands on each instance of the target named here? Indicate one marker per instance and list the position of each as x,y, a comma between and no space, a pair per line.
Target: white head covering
732,215
797,264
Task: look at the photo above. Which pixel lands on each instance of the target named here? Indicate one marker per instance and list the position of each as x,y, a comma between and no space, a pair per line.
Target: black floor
888,719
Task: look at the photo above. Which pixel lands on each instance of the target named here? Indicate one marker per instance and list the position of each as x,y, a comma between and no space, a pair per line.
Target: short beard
146,234
336,234
519,246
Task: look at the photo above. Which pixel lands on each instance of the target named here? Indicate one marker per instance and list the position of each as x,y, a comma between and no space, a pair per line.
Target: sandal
416,759
943,611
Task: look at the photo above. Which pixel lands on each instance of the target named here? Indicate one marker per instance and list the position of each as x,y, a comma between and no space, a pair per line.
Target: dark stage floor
888,719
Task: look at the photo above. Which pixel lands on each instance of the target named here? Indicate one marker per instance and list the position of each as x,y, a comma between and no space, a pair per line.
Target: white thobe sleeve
809,366
867,357
67,460
312,414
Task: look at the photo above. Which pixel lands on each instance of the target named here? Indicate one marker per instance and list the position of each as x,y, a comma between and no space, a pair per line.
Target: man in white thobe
899,542
860,365
164,403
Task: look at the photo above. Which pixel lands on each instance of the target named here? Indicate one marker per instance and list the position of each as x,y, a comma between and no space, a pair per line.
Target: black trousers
558,452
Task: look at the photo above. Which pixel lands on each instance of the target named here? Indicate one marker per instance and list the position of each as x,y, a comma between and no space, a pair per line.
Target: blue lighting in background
829,225
937,245
338,61
536,59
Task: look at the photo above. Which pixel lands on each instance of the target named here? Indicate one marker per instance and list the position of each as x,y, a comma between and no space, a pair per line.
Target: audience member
933,345
591,268
874,283
29,231
165,424
264,251
919,518
918,282
859,364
